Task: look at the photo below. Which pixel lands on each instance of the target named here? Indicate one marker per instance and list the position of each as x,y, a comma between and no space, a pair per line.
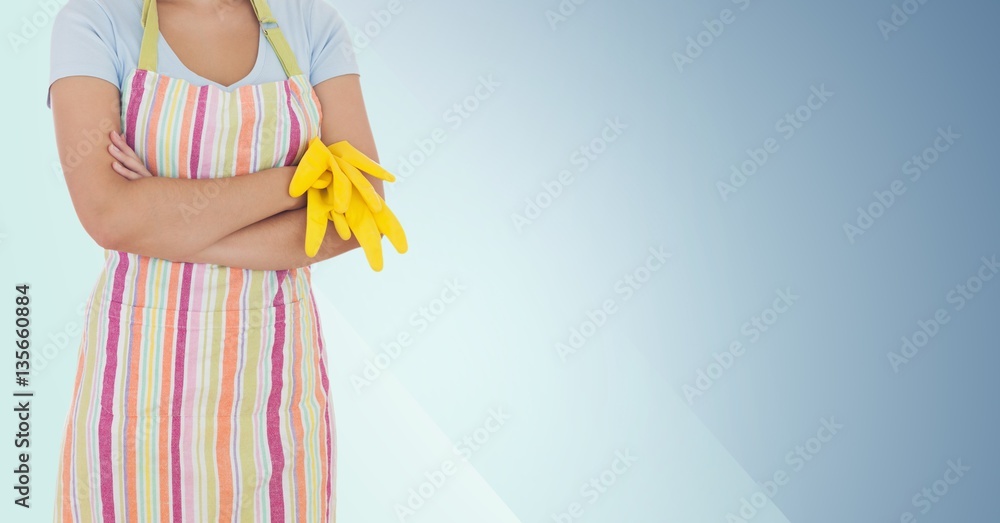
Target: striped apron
201,390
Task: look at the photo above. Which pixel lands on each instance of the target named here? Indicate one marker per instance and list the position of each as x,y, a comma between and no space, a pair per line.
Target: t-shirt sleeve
331,50
83,44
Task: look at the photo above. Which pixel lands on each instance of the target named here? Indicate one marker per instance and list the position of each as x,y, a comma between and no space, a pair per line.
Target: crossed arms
249,222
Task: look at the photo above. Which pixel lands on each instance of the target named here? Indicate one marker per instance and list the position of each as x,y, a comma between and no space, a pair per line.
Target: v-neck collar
151,39
249,78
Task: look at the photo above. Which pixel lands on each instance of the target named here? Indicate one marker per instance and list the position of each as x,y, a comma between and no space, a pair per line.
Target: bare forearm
172,218
274,243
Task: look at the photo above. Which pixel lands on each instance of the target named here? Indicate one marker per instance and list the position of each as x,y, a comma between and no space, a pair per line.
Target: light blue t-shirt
101,38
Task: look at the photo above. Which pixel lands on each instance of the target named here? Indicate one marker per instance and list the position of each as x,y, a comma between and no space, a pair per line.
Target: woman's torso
201,130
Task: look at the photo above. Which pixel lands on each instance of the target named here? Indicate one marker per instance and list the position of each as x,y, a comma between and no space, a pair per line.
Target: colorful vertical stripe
201,391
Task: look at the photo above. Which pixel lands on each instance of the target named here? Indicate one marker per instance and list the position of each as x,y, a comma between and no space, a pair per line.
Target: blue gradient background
655,186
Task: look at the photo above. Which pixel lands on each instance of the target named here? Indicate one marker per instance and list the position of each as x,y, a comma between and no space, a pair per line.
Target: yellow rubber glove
310,171
341,225
369,227
317,213
356,218
338,218
349,159
358,159
389,226
362,223
341,189
342,161
313,178
337,190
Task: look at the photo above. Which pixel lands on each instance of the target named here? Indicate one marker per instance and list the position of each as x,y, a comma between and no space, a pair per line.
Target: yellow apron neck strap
151,37
276,37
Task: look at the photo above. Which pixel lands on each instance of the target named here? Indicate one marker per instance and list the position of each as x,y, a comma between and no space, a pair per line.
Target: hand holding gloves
336,190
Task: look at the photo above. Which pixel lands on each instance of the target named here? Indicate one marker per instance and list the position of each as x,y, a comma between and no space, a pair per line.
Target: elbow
105,229
110,235
138,239
115,237
104,216
113,231
105,238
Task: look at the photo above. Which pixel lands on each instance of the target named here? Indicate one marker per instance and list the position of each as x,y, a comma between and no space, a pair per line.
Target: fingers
341,225
341,190
362,223
389,225
119,141
126,157
324,180
313,164
131,163
304,178
361,183
327,198
338,190
124,172
316,221
370,240
357,158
